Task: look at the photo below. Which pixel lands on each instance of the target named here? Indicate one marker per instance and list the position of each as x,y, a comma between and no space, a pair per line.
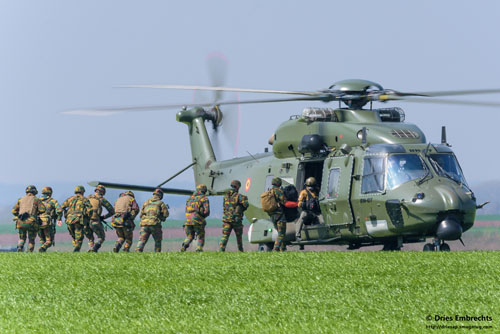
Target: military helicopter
381,182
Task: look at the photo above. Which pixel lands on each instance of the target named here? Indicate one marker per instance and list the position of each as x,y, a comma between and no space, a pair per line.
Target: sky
63,55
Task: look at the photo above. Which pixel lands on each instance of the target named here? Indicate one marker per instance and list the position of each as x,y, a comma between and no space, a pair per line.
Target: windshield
402,168
446,165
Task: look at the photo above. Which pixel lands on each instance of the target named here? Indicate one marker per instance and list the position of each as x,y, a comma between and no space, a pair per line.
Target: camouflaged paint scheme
233,207
125,238
119,218
303,196
32,221
232,218
48,219
28,227
226,233
104,203
192,232
280,199
197,209
77,210
146,231
279,244
153,212
96,228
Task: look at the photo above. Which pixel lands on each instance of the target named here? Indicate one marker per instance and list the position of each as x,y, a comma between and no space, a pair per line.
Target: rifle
53,231
105,223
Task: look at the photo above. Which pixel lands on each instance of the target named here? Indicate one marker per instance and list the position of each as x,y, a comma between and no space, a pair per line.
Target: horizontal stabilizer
140,188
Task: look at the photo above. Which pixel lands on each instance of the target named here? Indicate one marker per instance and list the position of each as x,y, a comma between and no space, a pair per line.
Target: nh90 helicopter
381,182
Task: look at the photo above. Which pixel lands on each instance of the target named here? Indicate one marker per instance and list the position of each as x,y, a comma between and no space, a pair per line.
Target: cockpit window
373,175
402,168
446,165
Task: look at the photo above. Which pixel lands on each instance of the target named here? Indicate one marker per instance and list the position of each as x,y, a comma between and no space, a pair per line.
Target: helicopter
380,181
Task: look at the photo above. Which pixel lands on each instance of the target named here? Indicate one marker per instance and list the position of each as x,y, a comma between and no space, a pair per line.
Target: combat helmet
101,189
158,192
311,182
47,191
31,189
129,193
79,190
236,184
201,188
276,182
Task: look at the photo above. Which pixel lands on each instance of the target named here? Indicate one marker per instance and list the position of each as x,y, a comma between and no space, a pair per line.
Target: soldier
97,201
197,209
77,210
232,219
26,214
126,209
277,216
48,220
153,212
309,203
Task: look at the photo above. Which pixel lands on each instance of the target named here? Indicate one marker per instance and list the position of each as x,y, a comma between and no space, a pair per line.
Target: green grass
323,292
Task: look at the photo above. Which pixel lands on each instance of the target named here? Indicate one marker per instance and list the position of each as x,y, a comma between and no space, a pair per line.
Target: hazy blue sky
62,55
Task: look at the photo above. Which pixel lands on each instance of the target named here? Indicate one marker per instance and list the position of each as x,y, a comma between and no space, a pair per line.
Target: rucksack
291,193
96,207
312,203
268,201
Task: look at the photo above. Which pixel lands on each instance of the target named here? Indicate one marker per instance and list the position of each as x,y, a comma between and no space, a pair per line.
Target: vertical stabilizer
201,147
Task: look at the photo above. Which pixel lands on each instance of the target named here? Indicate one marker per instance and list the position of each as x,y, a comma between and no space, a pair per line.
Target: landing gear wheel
429,248
392,246
266,247
301,247
445,247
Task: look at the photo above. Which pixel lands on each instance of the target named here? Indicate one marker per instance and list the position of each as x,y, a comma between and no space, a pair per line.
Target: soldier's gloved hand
59,222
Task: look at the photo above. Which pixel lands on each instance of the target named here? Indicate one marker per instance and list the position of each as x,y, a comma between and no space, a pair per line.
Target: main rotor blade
113,110
225,89
452,92
443,101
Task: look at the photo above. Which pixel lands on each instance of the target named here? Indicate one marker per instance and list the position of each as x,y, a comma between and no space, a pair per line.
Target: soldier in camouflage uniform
26,214
278,217
197,209
98,201
153,212
77,210
48,219
232,218
126,209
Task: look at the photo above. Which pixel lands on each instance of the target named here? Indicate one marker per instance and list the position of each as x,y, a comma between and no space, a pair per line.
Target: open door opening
307,169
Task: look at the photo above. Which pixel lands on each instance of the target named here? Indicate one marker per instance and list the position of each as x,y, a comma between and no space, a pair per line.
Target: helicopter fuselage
378,185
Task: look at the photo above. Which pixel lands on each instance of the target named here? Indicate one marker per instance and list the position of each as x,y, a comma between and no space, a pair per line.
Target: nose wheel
437,245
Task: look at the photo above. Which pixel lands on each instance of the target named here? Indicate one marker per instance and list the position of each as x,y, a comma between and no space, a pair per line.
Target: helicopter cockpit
397,166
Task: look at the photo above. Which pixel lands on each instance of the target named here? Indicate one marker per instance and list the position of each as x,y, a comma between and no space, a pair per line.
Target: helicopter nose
449,229
450,197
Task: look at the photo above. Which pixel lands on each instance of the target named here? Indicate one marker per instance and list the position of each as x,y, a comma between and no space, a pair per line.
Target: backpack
291,193
96,207
151,213
231,203
312,203
268,201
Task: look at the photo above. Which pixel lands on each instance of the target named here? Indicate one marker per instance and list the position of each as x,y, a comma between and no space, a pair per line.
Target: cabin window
333,183
373,175
446,165
402,168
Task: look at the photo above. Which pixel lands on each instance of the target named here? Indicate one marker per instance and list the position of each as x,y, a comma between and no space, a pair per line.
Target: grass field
313,292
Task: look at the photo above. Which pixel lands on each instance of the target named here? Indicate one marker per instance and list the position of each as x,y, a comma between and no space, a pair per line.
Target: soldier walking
153,212
98,201
277,216
77,210
197,209
26,214
232,219
48,220
126,209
